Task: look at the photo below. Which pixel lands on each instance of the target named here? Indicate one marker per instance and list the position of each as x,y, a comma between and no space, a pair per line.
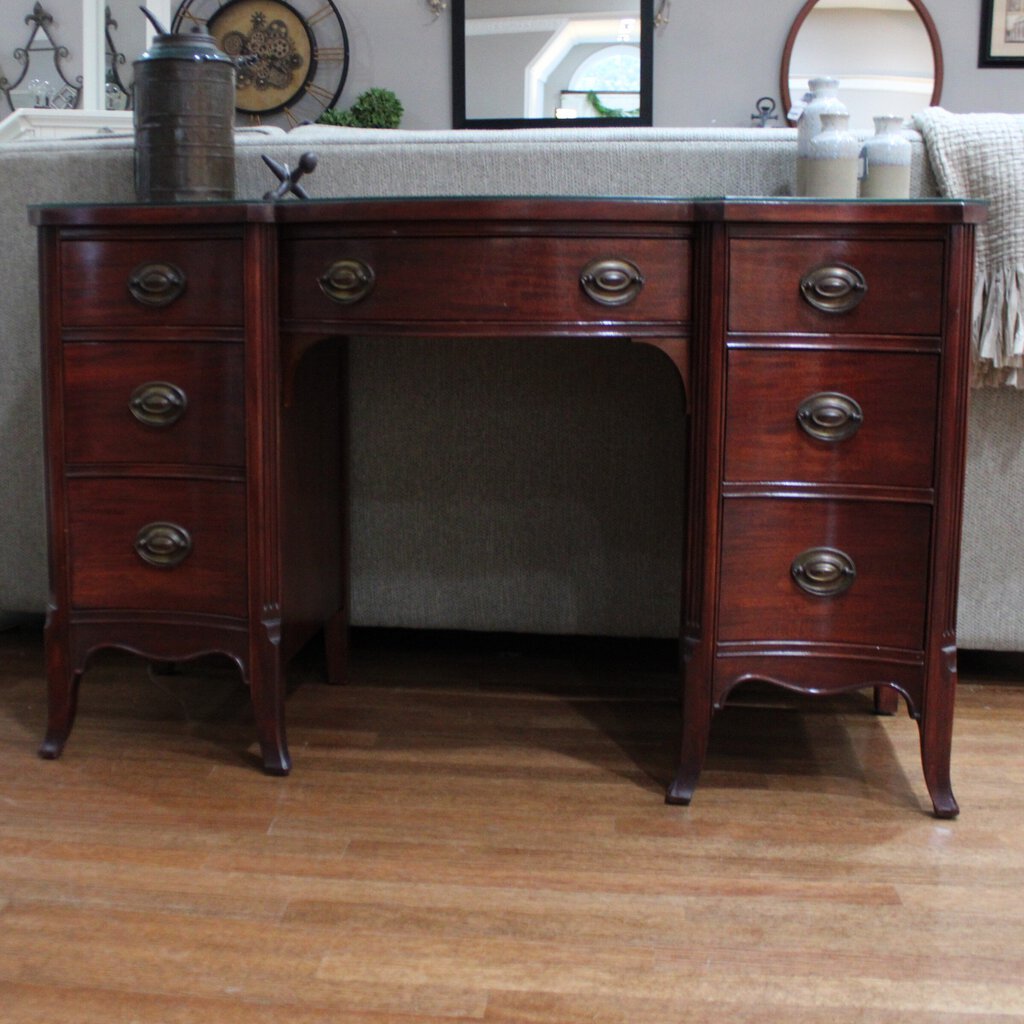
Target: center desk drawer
832,286
502,280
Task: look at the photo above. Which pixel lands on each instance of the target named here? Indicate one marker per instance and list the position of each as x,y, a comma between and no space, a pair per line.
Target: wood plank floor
479,835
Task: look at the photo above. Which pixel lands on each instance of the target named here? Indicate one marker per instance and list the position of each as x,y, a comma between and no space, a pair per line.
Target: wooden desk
195,433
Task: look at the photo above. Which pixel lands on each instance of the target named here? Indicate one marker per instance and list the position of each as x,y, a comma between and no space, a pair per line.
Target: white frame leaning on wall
94,53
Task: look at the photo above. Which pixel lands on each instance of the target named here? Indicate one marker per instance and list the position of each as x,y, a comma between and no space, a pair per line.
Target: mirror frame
787,52
460,120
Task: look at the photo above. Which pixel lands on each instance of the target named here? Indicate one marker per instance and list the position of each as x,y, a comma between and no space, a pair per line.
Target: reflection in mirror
885,53
551,62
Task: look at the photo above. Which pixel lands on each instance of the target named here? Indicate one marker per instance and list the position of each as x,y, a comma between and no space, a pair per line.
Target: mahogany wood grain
101,377
105,515
762,506
717,287
95,274
893,446
315,531
903,277
491,278
887,542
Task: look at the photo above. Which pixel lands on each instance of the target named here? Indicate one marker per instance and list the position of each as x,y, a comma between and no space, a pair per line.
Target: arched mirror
518,63
885,53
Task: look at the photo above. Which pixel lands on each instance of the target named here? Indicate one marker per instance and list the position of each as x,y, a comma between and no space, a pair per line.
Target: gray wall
712,61
498,61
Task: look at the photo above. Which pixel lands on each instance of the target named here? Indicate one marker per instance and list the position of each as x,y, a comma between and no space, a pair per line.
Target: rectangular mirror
551,63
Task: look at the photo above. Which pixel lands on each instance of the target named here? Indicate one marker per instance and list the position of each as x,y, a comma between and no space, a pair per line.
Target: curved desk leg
62,702
62,683
935,759
270,729
936,729
267,690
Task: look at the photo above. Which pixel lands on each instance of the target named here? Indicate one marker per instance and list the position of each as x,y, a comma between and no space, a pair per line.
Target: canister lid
194,45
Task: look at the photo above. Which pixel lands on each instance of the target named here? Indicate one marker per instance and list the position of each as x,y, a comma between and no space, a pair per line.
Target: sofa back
371,163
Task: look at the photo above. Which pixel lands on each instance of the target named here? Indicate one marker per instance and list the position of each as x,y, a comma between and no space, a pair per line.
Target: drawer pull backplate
823,572
158,403
834,288
347,281
830,416
612,282
156,284
163,545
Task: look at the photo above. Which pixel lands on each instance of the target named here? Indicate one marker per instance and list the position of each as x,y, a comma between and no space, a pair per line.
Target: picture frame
1002,34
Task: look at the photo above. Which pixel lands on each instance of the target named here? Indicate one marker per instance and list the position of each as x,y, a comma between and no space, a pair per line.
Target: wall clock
292,57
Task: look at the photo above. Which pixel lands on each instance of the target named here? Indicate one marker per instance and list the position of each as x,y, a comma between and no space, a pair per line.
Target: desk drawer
831,416
153,402
894,286
501,280
162,282
119,528
886,545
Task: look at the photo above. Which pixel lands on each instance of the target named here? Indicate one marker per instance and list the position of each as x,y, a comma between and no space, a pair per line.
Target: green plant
375,108
602,111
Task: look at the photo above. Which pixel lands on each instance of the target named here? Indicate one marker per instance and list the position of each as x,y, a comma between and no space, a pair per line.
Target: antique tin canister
184,120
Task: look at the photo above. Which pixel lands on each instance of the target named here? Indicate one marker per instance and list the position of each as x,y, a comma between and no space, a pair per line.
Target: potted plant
375,108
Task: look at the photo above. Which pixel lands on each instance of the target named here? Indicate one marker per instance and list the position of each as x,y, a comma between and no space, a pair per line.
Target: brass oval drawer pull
347,281
158,403
612,282
163,545
834,288
156,284
830,416
823,572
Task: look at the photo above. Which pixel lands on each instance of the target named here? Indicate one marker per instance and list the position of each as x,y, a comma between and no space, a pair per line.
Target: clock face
291,58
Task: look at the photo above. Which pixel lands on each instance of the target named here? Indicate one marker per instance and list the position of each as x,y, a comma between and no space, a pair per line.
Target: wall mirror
536,63
885,53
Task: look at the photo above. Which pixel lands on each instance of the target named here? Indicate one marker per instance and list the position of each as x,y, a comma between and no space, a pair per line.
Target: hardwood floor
479,835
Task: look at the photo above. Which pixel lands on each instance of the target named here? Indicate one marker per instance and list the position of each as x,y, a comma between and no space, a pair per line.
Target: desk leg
313,478
694,671
62,686
267,689
696,730
887,700
936,729
336,647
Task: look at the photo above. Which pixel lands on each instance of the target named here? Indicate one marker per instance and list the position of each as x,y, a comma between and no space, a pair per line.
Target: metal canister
184,120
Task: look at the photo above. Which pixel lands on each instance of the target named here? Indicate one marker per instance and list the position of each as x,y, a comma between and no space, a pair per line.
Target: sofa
496,485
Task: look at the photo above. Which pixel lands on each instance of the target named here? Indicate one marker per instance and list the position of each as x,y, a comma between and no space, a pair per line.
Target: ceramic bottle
833,162
887,160
824,100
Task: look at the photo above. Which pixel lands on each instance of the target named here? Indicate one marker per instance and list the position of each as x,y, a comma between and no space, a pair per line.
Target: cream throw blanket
981,156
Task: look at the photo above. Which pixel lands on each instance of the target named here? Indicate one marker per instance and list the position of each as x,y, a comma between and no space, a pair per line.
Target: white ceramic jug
887,160
824,100
833,163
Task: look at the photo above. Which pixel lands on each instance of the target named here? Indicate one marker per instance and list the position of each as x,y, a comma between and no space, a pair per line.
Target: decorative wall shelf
62,93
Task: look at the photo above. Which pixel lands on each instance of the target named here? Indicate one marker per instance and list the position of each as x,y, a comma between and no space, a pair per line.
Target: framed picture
1002,34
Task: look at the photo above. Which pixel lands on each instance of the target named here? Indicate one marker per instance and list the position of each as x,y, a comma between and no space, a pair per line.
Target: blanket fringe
997,327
